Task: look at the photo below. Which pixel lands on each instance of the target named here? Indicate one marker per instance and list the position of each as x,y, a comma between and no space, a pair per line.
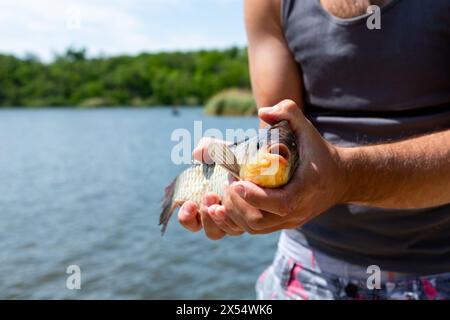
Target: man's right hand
194,218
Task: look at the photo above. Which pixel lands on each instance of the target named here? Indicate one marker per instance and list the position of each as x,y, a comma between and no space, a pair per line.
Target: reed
232,102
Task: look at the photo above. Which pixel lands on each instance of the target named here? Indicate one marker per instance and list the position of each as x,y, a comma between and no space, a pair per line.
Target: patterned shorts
286,279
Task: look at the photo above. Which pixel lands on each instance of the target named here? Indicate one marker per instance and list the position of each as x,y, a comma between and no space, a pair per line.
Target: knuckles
228,210
255,223
289,106
284,209
285,206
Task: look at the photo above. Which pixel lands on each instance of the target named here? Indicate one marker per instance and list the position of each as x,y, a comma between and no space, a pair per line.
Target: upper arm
274,72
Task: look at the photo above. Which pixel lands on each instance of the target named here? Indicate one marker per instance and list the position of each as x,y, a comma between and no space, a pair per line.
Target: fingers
235,229
189,218
285,110
223,221
271,200
200,153
247,208
278,227
252,220
211,217
240,211
212,230
256,221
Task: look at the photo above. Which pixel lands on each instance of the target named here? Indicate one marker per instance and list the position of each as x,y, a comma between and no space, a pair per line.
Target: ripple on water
84,187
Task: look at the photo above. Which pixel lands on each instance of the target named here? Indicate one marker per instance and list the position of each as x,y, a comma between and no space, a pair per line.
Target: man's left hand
318,184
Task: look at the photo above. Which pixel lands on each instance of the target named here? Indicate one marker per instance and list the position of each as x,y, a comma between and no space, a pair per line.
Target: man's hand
194,218
409,174
316,186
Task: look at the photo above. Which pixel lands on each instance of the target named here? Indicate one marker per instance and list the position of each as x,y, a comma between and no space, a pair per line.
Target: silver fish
250,160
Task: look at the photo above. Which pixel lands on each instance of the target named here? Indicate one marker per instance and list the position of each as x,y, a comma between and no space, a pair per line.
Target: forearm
414,173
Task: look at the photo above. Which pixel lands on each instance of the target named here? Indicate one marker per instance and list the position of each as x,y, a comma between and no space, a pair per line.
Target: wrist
348,172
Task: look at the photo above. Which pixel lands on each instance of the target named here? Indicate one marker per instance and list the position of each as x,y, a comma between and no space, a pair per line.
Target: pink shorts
287,279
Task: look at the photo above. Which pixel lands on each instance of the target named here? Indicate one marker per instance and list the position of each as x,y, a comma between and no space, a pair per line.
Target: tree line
73,79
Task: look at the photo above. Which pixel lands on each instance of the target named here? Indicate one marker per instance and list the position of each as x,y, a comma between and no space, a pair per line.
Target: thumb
270,200
285,110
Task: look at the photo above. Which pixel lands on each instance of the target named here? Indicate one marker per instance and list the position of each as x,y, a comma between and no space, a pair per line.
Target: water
82,187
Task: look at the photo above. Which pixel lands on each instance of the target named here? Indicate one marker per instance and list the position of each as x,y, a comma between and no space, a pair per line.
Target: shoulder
266,5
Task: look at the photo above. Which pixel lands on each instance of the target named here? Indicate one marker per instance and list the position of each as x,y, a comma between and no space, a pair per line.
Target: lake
83,187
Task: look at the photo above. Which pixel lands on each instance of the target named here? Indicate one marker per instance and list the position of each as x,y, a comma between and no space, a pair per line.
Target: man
371,112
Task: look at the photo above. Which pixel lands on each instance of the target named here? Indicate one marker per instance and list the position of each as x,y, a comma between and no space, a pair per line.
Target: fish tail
168,206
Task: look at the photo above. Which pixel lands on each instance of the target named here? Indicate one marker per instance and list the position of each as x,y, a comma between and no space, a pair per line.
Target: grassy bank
232,102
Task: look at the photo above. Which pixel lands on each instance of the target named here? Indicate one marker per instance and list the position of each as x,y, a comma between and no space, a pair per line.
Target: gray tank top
371,86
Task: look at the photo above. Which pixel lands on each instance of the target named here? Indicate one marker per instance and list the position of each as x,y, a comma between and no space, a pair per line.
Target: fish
269,160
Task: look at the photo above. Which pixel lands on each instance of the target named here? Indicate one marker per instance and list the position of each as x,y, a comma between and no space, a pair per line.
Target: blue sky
113,27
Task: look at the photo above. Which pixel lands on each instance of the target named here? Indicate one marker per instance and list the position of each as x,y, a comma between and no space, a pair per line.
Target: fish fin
237,143
168,206
223,156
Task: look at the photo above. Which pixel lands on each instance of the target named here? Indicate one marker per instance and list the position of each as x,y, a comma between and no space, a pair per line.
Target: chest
350,8
345,65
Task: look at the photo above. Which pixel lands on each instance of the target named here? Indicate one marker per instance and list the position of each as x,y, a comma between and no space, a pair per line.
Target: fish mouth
270,168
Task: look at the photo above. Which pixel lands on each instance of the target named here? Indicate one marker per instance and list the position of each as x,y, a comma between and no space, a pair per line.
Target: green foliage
176,78
232,102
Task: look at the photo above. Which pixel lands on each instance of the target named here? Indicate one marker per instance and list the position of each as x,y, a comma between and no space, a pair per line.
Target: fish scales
193,183
249,160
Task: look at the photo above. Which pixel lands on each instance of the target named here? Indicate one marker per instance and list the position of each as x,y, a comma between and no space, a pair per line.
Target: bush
156,79
95,102
232,102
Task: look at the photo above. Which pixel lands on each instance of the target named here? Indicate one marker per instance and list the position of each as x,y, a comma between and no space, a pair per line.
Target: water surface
83,187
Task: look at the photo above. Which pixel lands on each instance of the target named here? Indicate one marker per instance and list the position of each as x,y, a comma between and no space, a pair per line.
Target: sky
112,27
